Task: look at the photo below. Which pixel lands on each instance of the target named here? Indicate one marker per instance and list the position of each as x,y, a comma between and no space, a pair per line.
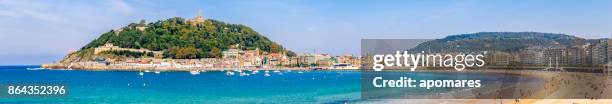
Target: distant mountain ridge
498,41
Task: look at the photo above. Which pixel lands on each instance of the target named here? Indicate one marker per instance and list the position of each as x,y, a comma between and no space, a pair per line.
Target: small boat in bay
229,73
244,74
267,74
194,72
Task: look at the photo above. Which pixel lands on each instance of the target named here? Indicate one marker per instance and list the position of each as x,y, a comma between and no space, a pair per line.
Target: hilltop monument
199,18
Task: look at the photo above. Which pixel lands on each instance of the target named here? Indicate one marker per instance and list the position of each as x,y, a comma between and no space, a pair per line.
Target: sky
44,31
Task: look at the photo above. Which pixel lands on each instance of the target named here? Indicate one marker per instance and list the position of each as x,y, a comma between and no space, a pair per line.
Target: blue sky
43,31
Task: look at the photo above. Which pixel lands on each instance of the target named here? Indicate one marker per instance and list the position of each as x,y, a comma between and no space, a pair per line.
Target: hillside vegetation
498,41
181,39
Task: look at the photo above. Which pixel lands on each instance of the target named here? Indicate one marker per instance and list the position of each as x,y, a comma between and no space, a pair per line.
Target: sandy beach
556,88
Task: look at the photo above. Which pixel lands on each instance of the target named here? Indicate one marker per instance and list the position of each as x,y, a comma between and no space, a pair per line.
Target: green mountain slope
497,41
181,39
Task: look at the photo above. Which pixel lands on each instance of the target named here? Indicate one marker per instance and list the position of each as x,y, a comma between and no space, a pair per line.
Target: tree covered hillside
183,39
498,41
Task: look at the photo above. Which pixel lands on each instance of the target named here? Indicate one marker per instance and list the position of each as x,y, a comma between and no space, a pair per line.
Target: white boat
146,71
195,72
255,72
267,74
276,71
267,71
141,73
244,74
300,72
157,72
229,73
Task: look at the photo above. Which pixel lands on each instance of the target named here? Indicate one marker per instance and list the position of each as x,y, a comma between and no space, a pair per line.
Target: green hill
497,41
180,39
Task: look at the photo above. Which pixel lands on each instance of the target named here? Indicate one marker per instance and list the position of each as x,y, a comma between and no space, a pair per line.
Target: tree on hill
183,39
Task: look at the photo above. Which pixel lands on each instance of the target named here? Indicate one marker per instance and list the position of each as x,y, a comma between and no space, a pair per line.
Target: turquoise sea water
183,87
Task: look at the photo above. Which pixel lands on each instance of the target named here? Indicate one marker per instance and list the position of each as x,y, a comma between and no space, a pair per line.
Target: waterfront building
349,59
310,59
555,56
293,61
286,60
231,57
307,59
578,55
500,58
531,57
600,52
251,58
276,59
323,60
608,43
237,58
209,62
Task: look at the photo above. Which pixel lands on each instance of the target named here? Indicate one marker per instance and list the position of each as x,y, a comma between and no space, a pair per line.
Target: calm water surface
183,87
